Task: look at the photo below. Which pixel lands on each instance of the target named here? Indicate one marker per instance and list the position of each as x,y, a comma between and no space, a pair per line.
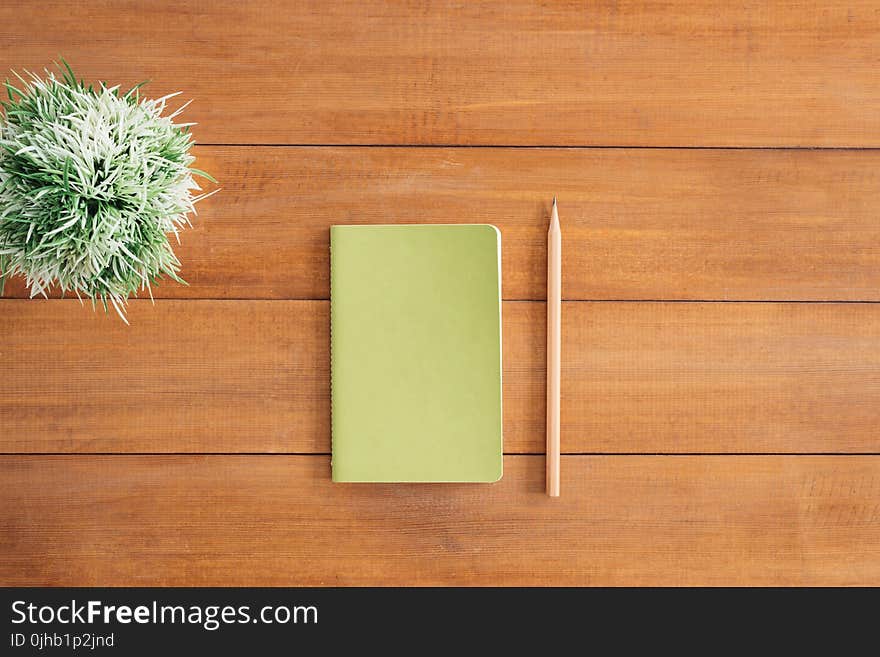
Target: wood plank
691,72
250,376
250,520
638,224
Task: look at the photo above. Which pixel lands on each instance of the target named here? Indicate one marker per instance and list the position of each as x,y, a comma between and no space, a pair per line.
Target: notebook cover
415,318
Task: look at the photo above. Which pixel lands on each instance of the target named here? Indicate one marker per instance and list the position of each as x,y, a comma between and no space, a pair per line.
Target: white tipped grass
92,181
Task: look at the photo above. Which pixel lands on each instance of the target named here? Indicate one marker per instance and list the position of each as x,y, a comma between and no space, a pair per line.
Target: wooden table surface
719,184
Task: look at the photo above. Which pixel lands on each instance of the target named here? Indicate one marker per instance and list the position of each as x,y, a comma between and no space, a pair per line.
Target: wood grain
686,73
250,376
239,520
730,442
639,224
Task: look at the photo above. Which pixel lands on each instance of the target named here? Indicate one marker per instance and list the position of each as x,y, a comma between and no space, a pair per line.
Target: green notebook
415,317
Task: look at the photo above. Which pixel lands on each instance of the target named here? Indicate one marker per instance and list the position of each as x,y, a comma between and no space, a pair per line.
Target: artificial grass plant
92,182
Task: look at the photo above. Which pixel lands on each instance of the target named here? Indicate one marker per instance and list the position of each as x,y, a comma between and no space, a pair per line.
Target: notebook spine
332,312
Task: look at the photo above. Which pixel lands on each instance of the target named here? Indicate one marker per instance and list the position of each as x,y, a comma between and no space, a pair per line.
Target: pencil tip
554,200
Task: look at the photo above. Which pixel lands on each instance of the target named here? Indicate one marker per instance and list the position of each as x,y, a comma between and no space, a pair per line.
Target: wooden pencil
554,349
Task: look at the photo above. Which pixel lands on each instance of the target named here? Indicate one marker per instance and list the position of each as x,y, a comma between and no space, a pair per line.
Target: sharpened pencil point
554,217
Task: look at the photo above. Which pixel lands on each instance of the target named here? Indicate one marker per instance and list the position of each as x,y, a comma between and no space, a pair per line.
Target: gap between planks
841,302
597,147
517,454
